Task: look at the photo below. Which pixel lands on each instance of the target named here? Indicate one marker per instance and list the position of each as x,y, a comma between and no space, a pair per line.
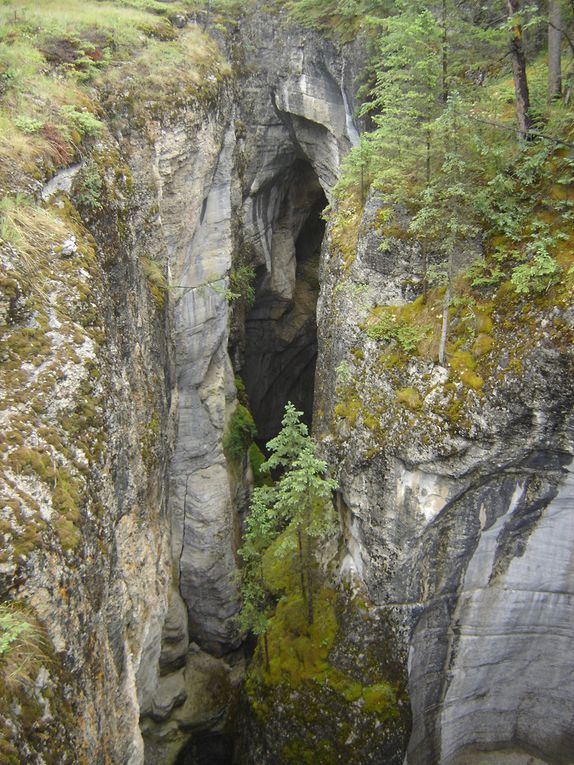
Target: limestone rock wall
84,488
455,516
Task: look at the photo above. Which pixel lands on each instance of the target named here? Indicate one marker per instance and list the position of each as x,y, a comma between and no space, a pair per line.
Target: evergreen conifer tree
298,501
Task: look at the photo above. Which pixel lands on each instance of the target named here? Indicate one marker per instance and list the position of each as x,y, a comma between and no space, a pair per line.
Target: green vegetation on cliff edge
488,208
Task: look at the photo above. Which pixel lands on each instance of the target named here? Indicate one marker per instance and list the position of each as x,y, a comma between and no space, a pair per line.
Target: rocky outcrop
87,476
454,492
195,205
192,709
295,127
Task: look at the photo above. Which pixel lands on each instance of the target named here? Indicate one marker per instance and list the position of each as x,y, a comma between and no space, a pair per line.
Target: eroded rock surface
458,524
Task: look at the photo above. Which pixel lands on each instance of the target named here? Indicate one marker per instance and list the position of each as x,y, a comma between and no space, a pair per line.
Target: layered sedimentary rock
455,491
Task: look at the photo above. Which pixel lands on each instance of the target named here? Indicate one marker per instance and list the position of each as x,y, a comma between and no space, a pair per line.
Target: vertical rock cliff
454,503
446,617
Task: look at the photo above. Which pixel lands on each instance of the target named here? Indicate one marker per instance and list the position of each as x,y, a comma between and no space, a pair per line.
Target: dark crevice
281,328
206,748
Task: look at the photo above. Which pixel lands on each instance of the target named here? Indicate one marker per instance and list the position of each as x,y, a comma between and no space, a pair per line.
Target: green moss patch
410,398
239,434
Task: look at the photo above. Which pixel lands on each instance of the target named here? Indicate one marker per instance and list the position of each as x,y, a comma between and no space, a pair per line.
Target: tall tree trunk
301,564
519,70
444,53
554,45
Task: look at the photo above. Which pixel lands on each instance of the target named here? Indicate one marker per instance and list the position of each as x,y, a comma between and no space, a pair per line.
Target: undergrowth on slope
62,59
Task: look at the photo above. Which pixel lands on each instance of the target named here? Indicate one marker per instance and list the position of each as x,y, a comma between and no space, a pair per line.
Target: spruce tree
302,495
261,528
297,502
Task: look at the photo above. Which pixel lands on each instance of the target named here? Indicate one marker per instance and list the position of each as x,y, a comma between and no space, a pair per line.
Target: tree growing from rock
299,501
261,528
302,495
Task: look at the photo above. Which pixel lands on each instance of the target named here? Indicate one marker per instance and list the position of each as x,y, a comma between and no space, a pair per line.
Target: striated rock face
87,476
242,183
257,161
295,127
195,206
511,629
456,517
120,508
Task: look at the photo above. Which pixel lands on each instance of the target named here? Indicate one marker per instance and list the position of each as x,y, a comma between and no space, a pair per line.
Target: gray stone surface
175,634
463,534
203,541
197,698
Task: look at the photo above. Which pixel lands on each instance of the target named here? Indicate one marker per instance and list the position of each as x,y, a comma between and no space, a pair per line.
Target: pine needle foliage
445,146
289,515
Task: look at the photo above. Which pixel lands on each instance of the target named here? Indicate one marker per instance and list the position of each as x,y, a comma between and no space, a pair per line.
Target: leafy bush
484,273
240,433
241,285
344,373
13,627
536,276
384,329
82,120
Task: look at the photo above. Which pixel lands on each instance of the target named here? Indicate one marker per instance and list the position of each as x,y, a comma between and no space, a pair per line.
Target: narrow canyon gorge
221,273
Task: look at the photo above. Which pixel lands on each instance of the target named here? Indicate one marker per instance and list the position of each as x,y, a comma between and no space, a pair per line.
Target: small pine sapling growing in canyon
297,502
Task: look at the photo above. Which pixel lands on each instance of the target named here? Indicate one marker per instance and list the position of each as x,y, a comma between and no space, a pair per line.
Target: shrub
536,276
82,120
240,433
241,285
89,188
344,373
